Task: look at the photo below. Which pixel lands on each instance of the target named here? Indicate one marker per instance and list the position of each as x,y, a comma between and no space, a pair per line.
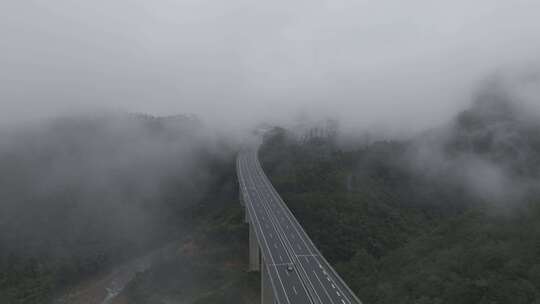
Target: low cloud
370,64
491,148
107,181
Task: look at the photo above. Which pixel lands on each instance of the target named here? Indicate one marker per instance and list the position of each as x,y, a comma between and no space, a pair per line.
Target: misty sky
399,63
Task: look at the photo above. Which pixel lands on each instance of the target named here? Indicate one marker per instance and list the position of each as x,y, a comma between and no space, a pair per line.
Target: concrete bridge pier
246,215
267,294
243,204
241,197
254,251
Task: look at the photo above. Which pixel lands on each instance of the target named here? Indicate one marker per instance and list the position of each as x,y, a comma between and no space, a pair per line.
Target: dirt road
105,289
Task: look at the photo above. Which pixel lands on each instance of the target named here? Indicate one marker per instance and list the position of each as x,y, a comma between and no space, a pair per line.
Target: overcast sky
404,64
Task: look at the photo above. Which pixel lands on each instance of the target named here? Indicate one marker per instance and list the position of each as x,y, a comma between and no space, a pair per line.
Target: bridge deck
283,241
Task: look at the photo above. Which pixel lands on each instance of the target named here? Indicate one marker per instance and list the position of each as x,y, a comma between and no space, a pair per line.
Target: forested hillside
452,216
211,267
449,216
79,195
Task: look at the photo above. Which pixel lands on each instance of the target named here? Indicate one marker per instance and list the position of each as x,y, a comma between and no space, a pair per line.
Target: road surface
284,242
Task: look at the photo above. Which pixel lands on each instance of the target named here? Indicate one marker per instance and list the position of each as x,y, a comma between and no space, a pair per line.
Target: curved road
284,243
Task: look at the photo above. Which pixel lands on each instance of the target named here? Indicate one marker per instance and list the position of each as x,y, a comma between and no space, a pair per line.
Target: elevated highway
293,270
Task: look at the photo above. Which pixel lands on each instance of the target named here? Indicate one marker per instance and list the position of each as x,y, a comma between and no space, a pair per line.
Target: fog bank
117,182
386,64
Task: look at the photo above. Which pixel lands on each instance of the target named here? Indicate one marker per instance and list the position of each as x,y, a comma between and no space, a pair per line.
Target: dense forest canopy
451,216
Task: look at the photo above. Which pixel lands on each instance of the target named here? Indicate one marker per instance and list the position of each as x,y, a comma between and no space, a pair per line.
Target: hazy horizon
385,64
